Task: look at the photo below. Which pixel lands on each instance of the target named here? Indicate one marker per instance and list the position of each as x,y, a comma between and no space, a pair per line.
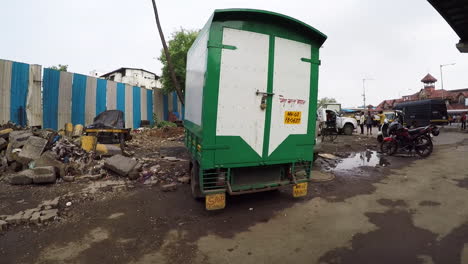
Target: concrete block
48,215
32,150
3,144
120,164
53,203
27,214
48,158
22,178
19,138
14,219
35,218
44,175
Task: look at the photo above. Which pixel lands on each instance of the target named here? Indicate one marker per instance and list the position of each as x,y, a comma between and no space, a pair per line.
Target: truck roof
269,17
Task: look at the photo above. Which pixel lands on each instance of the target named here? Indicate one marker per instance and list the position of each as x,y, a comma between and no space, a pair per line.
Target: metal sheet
136,107
78,99
65,96
121,97
128,106
90,102
19,92
5,90
101,92
111,96
144,102
158,104
33,104
195,78
149,106
175,105
50,92
165,107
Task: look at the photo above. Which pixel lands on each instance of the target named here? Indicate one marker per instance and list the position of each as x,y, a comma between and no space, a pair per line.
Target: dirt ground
369,209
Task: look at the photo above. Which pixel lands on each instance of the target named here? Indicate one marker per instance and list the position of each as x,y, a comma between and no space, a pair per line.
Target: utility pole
168,56
364,90
442,77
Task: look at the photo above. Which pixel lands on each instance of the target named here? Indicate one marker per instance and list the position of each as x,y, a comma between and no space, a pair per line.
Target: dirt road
392,210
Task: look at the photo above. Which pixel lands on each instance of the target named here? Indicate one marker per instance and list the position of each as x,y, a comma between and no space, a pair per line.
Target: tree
60,67
325,100
179,45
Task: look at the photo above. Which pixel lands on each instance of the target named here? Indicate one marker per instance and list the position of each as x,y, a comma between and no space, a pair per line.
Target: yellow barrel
5,131
77,130
108,149
68,129
88,143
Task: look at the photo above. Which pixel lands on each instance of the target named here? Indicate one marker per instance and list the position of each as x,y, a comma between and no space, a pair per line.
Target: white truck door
291,88
244,71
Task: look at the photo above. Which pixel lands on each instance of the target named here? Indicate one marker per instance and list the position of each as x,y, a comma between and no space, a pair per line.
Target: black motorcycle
402,139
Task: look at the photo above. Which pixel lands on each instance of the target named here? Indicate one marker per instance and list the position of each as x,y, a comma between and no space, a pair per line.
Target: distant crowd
459,119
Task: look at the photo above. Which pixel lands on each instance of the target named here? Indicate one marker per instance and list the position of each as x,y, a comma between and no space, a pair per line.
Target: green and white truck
251,99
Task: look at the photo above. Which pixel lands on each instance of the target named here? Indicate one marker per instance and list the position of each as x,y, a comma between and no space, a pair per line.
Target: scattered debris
328,156
169,187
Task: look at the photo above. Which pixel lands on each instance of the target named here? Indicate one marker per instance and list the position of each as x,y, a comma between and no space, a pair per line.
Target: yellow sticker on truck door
292,117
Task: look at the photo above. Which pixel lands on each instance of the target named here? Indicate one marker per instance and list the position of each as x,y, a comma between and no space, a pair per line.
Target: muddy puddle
367,158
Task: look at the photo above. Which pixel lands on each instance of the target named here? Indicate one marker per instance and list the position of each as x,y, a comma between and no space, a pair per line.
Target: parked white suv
345,125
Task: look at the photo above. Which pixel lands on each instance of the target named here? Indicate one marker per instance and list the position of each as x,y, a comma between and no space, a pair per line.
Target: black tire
389,147
195,181
348,129
315,156
424,146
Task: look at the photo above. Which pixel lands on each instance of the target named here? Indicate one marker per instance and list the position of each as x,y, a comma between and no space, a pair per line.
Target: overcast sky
394,42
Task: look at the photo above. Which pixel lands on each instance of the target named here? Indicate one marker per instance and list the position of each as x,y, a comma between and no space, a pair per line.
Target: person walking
382,120
463,121
369,121
362,120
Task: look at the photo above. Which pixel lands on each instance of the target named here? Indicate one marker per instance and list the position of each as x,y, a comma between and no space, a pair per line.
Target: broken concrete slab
32,149
27,214
48,215
14,219
35,218
18,138
49,158
3,144
53,203
120,164
69,178
44,175
22,178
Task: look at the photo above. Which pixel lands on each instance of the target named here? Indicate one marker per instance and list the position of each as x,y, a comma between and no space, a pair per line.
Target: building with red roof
455,99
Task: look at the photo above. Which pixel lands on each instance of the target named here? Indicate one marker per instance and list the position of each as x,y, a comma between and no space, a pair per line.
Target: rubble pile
45,212
41,156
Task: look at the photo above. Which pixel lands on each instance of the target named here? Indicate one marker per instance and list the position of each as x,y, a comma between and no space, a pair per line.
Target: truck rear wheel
195,180
348,129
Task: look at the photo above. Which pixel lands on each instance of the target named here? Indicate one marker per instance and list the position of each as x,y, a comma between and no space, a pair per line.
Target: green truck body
251,98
